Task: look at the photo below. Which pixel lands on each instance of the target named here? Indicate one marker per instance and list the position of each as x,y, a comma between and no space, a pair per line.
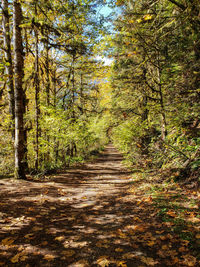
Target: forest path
86,216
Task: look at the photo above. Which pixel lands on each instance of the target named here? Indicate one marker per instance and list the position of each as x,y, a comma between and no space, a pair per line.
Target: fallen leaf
29,236
31,209
175,260
7,241
49,257
165,247
44,243
121,264
36,228
162,254
131,255
151,243
60,238
23,258
119,250
171,213
189,260
102,244
16,258
103,262
149,261
182,249
139,228
68,253
160,232
81,263
137,219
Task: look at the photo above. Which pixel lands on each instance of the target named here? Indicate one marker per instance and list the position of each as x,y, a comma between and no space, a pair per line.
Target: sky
106,11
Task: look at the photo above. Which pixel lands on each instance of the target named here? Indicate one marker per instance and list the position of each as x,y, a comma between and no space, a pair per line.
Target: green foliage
155,90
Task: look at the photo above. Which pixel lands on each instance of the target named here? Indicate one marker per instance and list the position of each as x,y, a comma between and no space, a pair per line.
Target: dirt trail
83,217
74,219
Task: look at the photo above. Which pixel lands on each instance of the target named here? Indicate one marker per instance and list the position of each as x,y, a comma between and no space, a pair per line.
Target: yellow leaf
68,253
139,20
171,213
44,243
122,264
103,261
60,238
150,243
7,241
23,258
198,236
119,250
36,228
31,209
29,236
16,258
119,2
148,17
139,228
149,261
137,219
189,260
182,249
82,263
49,257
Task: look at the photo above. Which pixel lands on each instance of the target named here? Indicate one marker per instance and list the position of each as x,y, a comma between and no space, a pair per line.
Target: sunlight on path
86,216
72,218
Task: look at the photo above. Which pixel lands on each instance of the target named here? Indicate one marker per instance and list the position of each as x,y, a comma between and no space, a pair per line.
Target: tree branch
181,6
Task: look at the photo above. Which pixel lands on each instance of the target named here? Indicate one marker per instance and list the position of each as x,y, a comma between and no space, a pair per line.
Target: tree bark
19,94
37,99
47,71
9,63
47,89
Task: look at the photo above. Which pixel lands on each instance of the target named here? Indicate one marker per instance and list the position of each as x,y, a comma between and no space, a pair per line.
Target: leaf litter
148,224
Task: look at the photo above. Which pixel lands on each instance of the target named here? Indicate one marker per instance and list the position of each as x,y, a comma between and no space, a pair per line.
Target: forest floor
99,214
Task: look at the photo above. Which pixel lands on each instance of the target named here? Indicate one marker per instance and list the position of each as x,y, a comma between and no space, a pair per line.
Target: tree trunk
47,71
37,100
160,91
9,64
19,94
47,89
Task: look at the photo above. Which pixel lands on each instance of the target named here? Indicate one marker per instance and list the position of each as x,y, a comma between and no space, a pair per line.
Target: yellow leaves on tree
120,2
147,17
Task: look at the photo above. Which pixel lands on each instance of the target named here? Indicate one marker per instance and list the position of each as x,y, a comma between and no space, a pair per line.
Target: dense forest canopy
59,103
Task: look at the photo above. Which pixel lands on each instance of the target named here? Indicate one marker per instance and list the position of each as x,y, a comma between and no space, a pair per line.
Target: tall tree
37,91
8,61
19,93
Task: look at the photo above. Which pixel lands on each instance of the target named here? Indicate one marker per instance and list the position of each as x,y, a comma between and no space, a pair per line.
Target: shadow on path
82,217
